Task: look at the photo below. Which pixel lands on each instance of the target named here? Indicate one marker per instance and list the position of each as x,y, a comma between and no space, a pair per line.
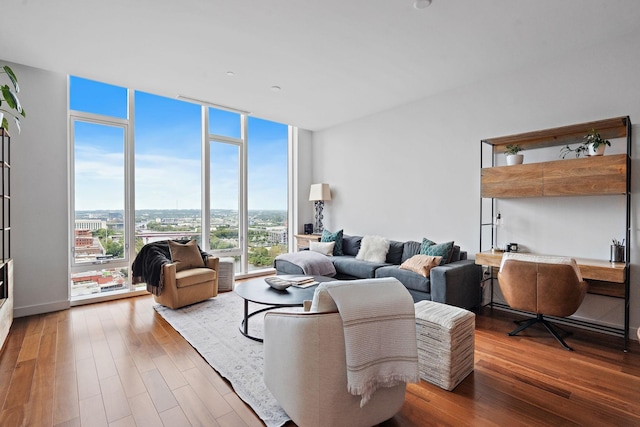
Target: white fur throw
373,249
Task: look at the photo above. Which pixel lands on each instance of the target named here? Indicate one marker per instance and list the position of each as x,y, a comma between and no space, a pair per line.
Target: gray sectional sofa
455,283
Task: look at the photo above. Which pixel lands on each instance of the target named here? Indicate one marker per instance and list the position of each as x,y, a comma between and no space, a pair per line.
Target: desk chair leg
555,334
524,324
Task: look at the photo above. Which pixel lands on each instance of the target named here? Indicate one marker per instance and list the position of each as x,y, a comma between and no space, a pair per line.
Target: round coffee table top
258,291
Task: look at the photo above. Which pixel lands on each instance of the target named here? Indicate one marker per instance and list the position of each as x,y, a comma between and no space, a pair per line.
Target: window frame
242,268
129,240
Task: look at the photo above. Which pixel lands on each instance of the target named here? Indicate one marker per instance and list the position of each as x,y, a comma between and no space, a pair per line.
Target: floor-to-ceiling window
267,191
100,188
147,168
168,172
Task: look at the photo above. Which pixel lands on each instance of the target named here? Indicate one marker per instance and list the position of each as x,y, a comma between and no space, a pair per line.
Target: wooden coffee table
258,291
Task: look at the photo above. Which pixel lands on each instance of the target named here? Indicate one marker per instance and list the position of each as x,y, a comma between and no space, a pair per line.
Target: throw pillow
373,249
325,248
322,301
421,264
425,244
445,250
185,255
410,249
351,244
328,236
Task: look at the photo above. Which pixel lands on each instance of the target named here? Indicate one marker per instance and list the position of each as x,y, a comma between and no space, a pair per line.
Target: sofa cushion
283,266
194,276
350,266
351,245
336,237
373,249
410,249
456,255
394,255
421,264
409,279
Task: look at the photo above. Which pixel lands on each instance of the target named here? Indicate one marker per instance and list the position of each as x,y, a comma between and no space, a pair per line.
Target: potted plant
513,158
592,144
9,103
595,143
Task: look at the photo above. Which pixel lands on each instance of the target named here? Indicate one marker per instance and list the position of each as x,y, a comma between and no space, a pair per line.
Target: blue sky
168,152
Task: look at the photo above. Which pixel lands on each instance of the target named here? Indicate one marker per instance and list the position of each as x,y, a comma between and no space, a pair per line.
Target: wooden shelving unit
6,263
575,177
5,209
590,176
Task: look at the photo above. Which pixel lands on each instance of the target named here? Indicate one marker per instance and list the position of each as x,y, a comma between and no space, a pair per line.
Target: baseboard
31,310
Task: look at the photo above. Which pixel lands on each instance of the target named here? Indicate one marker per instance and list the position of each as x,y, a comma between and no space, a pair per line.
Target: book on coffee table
282,282
305,284
298,280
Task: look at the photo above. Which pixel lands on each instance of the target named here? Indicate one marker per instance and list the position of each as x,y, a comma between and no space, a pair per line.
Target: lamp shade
319,192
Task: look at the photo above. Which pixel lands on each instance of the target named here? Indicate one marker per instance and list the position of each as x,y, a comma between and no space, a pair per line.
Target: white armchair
305,368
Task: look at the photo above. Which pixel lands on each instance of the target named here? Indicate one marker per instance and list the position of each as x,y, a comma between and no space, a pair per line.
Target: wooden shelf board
512,181
596,175
609,128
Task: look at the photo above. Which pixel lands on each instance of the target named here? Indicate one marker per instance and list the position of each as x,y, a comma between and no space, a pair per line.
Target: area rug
212,328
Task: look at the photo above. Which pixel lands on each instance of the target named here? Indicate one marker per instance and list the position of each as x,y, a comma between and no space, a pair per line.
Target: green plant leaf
9,97
17,123
5,123
12,77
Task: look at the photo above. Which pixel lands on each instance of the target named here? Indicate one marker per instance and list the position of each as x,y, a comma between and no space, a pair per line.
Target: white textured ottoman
445,343
226,274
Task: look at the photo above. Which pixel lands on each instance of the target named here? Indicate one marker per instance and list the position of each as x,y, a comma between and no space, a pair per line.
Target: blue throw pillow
425,244
445,250
328,236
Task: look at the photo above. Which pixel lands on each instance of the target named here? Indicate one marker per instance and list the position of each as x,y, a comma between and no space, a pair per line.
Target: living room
408,170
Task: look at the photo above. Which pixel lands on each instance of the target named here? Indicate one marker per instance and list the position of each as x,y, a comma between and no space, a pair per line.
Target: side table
226,274
302,240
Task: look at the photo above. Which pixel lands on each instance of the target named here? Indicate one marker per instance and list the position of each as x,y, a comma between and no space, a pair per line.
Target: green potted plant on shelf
592,144
595,143
512,152
9,103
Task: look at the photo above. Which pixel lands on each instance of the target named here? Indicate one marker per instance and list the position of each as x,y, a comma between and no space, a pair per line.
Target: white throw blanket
311,263
379,331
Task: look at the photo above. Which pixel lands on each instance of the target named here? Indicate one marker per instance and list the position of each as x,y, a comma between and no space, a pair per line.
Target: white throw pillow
373,249
322,301
325,248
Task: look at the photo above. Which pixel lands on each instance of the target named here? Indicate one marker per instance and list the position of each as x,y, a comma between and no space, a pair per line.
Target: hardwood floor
118,363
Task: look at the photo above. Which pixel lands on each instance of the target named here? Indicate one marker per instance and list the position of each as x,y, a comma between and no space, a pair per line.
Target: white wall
39,200
414,171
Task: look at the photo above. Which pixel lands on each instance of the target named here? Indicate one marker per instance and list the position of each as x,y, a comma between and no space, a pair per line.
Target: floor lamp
318,194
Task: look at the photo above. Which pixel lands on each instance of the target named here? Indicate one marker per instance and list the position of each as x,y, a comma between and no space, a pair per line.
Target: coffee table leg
244,325
246,317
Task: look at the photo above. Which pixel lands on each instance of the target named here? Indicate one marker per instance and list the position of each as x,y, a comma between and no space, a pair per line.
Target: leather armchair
189,286
546,286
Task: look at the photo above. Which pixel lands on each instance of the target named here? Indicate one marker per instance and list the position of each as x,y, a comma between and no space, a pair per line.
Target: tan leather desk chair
546,286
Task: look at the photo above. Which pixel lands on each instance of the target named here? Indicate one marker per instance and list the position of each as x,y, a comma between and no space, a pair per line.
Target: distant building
86,246
90,224
277,235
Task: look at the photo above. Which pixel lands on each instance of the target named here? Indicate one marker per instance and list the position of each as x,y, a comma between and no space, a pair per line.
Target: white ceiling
335,60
